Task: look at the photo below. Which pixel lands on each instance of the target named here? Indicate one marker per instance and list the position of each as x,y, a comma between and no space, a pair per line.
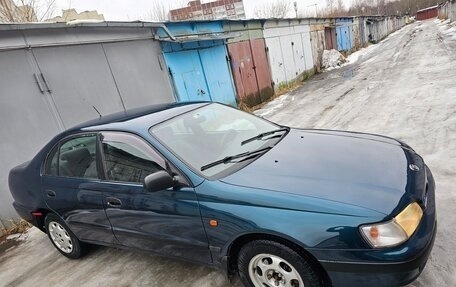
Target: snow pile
275,105
354,57
448,30
332,59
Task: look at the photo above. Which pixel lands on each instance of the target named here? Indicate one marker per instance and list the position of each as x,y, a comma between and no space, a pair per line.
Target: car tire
268,263
62,238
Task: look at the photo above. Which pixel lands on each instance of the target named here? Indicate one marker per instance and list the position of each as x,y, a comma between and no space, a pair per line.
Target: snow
275,105
364,52
448,30
13,236
333,62
332,59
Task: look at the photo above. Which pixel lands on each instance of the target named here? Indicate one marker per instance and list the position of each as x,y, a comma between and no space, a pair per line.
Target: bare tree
383,7
277,9
330,4
340,6
335,8
26,10
159,11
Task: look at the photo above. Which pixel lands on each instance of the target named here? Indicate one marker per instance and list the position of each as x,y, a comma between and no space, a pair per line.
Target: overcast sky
130,10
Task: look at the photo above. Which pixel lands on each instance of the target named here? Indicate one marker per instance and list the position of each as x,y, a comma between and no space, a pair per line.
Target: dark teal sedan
211,184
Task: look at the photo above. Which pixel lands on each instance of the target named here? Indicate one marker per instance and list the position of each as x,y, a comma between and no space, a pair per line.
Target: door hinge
48,88
43,85
38,82
159,62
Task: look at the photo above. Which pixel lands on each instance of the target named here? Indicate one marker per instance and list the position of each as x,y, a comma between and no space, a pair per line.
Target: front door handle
113,202
50,193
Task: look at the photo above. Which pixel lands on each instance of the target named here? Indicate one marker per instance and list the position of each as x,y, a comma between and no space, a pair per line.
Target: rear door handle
50,193
113,202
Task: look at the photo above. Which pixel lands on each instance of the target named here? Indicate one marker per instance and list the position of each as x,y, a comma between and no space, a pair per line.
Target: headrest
75,155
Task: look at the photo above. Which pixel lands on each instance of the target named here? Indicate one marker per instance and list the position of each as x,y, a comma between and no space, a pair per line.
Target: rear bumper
24,212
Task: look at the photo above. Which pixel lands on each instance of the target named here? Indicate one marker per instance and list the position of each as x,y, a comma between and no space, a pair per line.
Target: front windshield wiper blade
228,159
262,135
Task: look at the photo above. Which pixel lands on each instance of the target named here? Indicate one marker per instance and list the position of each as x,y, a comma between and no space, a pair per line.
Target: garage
54,76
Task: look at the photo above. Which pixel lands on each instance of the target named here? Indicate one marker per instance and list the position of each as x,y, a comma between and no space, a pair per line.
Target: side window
52,162
128,158
75,158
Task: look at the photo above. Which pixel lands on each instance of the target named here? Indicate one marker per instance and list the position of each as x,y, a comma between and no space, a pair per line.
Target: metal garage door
27,116
140,72
218,76
188,76
80,81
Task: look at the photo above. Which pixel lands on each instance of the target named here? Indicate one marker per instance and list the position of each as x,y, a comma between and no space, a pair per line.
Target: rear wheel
62,238
265,263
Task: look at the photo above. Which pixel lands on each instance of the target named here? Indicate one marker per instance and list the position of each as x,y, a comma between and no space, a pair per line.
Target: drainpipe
163,26
148,24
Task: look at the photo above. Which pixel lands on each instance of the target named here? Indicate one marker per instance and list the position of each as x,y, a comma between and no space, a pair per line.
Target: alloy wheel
267,270
60,237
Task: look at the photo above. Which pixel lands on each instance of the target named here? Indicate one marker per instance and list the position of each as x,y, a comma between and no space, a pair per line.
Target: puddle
348,74
8,244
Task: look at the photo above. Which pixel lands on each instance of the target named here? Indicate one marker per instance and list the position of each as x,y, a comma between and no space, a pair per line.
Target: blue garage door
343,38
188,76
218,76
201,75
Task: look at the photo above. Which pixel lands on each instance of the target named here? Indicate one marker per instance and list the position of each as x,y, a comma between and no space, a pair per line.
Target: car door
71,188
166,221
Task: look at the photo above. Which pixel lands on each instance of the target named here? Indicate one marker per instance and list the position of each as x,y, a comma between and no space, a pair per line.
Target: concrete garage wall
447,10
319,41
380,27
289,50
52,78
452,10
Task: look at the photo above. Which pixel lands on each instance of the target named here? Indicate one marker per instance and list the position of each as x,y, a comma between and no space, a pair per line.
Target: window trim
169,167
58,146
185,181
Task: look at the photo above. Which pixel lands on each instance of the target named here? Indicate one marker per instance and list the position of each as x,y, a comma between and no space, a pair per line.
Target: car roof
128,120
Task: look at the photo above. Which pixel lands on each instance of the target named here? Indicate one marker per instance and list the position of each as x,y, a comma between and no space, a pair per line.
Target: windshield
202,138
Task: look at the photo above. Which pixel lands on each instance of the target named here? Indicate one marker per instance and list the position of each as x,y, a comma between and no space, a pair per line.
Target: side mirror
158,181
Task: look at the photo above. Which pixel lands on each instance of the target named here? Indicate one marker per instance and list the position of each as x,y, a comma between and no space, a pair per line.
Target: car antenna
97,111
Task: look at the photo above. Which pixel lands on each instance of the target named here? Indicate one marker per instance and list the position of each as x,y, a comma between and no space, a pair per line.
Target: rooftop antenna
98,112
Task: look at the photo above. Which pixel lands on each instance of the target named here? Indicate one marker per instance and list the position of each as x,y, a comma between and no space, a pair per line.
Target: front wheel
267,263
62,238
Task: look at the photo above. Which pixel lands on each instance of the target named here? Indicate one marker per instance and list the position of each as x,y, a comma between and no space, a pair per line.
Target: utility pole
296,8
315,8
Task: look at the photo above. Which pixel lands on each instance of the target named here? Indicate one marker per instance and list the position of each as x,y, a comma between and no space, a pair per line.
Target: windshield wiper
262,135
228,159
